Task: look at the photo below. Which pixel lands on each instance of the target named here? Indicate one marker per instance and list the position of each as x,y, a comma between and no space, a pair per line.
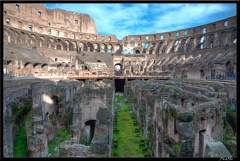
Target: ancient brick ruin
56,60
180,119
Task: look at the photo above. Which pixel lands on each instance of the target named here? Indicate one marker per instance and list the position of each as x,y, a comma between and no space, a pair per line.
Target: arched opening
46,117
145,47
118,69
36,74
119,85
89,129
137,51
27,65
223,39
202,74
184,74
229,68
59,47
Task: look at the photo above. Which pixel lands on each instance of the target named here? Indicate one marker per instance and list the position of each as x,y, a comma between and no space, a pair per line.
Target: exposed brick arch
81,46
233,35
103,47
118,48
96,47
50,43
41,42
37,65
90,47
28,65
222,39
210,41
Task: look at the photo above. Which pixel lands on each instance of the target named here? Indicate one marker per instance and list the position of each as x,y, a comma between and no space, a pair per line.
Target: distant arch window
99,61
49,31
110,51
177,34
4,12
214,26
30,29
19,24
137,51
73,36
201,47
8,20
88,36
202,39
17,6
146,46
109,38
57,33
185,32
125,51
103,50
204,30
161,37
131,51
59,47
102,37
95,37
176,42
226,23
146,37
132,38
194,31
39,14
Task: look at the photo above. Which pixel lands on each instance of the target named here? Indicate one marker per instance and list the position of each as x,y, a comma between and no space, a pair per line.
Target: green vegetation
231,112
20,144
18,114
229,139
128,140
83,140
62,135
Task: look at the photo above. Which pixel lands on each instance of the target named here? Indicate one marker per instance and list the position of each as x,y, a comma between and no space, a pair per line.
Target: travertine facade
73,47
45,43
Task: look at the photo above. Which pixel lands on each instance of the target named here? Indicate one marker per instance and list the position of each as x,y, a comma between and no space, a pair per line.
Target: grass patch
20,149
126,140
62,135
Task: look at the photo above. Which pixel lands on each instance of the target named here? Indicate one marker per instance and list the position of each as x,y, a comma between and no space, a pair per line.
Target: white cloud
143,18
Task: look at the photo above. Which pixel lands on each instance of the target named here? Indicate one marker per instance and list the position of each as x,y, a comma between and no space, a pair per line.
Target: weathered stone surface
216,150
186,129
185,117
99,144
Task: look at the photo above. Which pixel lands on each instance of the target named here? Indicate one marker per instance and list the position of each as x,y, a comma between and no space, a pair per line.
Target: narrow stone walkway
128,139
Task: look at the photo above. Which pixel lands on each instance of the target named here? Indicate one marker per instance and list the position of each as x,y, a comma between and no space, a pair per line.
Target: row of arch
211,40
33,39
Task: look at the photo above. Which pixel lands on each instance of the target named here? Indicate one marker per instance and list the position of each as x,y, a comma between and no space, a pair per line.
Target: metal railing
222,78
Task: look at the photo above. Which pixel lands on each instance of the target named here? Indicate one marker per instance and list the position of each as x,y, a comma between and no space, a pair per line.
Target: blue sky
123,19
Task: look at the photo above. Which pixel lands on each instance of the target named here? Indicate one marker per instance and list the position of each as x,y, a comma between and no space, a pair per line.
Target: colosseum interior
60,74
